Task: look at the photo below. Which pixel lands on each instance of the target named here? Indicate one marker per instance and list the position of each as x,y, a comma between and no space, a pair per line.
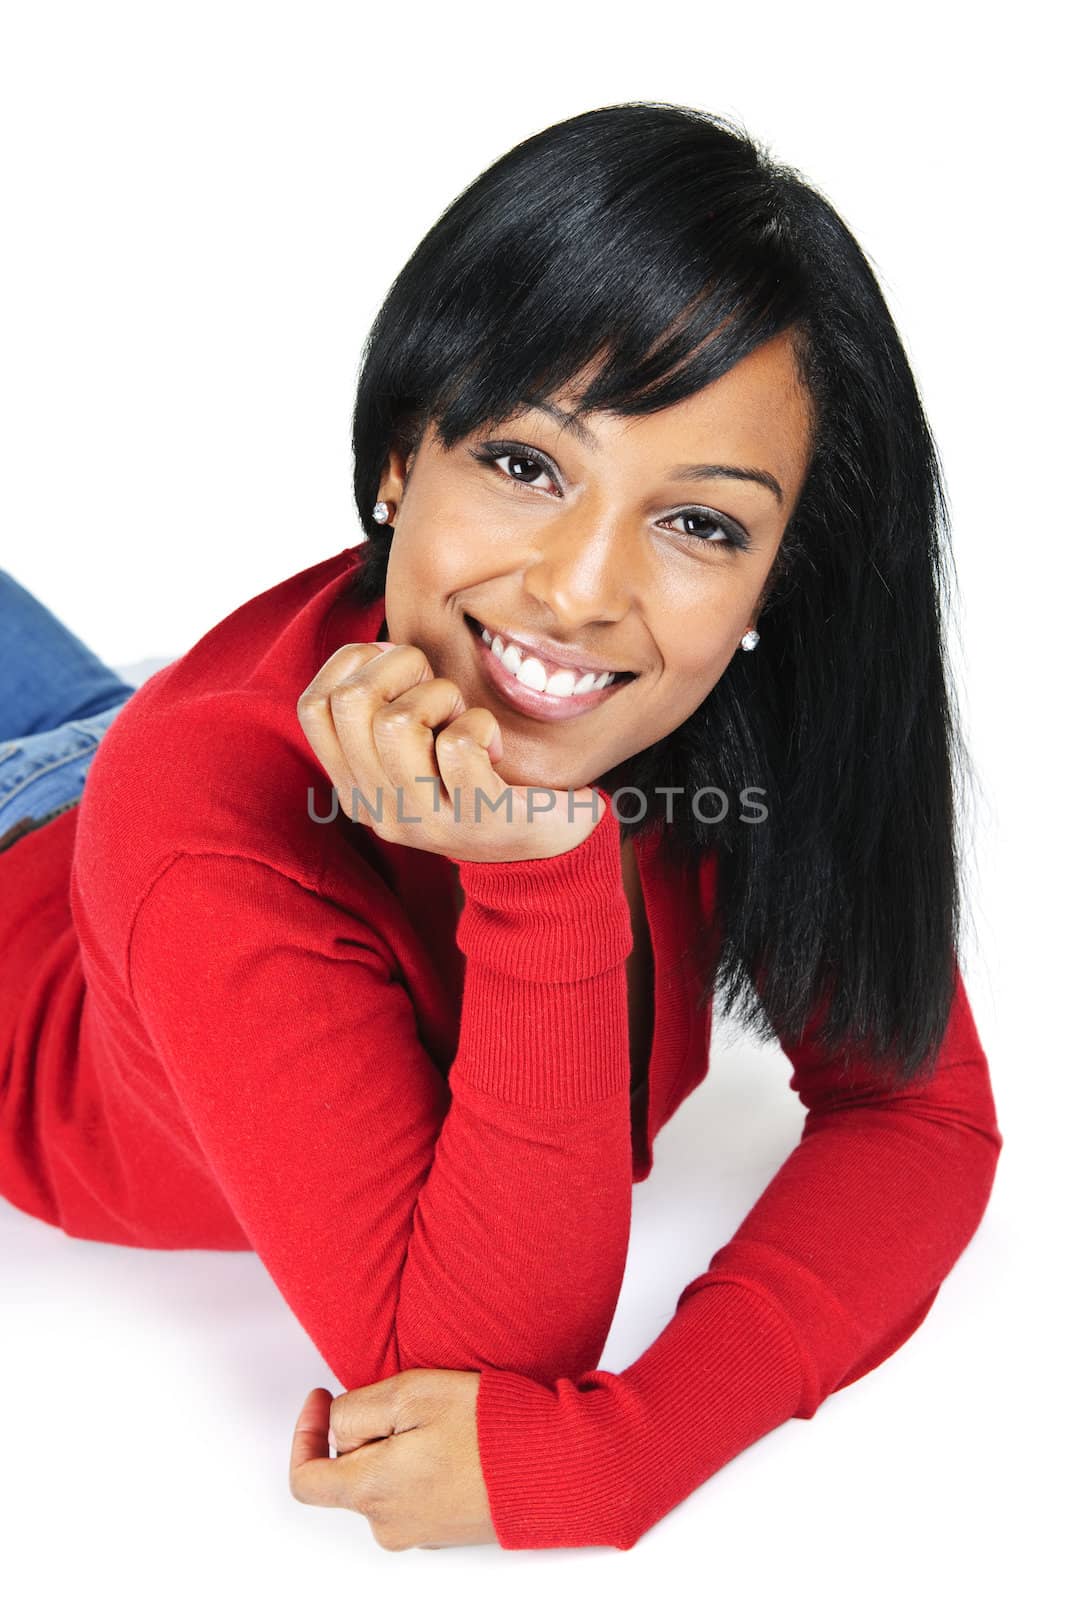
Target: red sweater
226,1026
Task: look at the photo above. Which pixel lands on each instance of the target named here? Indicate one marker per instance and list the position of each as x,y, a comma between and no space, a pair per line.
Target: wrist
554,917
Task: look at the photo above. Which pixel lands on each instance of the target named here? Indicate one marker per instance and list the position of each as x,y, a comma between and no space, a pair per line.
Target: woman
635,407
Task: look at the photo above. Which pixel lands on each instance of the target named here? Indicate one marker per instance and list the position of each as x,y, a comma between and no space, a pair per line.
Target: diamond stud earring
381,511
749,640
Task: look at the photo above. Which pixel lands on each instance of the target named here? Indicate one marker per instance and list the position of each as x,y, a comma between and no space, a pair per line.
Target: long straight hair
663,244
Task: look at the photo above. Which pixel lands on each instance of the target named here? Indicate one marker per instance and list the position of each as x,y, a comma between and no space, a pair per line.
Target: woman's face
626,547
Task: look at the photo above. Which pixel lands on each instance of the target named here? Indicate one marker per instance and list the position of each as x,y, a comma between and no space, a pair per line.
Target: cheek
685,683
694,671
442,566
421,577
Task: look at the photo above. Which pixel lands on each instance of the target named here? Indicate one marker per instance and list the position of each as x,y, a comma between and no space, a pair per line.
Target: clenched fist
389,731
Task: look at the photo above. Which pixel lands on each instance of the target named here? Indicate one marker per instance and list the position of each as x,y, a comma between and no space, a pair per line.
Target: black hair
664,244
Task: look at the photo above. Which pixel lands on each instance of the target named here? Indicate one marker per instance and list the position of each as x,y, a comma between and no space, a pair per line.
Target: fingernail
332,1438
496,746
386,644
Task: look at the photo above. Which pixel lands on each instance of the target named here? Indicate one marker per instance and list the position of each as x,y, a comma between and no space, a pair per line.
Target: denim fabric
57,700
45,773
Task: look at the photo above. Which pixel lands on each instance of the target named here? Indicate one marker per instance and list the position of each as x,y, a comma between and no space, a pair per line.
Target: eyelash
498,450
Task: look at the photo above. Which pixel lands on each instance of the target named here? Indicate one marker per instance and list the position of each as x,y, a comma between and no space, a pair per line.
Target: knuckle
460,743
471,725
310,702
355,690
408,1399
355,654
392,720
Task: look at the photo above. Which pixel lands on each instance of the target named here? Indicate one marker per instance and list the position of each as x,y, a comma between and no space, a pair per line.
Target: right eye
490,454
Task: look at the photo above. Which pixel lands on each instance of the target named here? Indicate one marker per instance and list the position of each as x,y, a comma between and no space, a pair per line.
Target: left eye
526,461
712,524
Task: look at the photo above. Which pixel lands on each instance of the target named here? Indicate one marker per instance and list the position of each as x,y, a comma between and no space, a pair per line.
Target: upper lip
560,655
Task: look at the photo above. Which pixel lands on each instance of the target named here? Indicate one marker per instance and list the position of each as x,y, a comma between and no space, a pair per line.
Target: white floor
137,671
149,1400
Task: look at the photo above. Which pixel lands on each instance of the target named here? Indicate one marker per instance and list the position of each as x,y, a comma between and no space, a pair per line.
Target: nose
581,572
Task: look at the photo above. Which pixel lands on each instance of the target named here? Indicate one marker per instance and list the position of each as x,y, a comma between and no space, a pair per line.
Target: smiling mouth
513,656
524,681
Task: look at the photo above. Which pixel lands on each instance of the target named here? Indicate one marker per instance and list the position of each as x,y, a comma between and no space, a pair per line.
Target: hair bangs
626,331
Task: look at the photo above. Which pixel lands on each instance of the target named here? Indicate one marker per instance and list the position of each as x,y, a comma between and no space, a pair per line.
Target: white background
203,206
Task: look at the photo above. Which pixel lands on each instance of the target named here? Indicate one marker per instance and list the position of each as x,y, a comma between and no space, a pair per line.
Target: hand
407,1458
369,716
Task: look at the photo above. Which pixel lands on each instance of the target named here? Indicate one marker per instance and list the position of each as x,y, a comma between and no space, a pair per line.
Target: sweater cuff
600,1460
556,918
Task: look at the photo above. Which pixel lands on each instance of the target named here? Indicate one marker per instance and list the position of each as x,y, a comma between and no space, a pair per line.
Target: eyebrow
686,474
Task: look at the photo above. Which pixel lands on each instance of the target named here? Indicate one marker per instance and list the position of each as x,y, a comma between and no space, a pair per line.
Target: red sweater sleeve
834,1267
409,1223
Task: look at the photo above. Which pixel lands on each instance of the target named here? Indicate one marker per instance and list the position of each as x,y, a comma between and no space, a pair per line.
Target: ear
394,476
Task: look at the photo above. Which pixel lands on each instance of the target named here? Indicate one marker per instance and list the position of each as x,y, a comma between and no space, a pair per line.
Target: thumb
309,1436
486,729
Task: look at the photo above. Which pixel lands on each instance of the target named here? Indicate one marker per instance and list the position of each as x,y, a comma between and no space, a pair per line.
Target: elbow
984,1158
978,1142
412,1329
498,1345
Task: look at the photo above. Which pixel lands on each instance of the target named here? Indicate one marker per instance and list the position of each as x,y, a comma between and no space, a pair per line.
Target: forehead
759,412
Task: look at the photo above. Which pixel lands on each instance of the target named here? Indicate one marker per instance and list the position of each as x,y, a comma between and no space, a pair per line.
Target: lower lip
531,702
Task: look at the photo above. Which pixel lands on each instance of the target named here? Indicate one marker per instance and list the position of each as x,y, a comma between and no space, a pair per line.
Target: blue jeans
57,699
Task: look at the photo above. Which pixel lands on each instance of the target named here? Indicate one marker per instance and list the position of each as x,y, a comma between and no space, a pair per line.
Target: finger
404,735
464,757
315,716
353,703
335,708
361,1415
314,1478
346,659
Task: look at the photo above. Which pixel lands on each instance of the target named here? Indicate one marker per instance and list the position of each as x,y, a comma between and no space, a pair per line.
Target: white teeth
561,683
532,672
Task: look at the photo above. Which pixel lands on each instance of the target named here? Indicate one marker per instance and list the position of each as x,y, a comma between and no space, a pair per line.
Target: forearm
521,1229
407,1224
835,1266
865,1220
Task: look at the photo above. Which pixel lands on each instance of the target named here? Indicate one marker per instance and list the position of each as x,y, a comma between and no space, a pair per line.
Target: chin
530,775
